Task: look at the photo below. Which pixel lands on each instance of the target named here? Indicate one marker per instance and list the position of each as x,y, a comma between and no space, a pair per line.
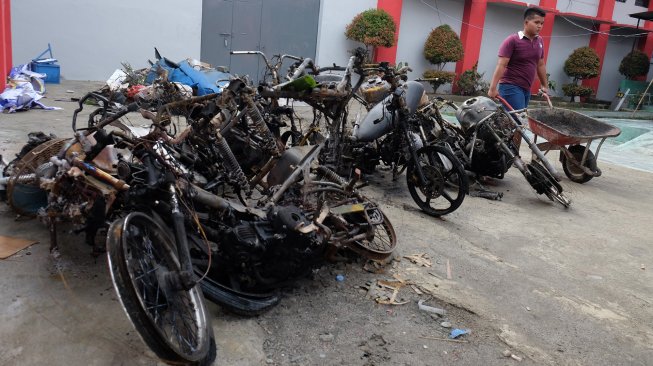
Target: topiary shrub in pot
582,64
442,45
373,28
634,64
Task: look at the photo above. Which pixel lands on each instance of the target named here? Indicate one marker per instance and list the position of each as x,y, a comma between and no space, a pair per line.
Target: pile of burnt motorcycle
217,196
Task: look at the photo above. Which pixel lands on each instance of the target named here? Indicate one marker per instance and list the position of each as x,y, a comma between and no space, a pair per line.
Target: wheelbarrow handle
546,95
505,102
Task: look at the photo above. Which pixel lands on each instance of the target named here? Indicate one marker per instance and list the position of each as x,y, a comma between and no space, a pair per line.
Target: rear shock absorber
269,142
331,176
231,163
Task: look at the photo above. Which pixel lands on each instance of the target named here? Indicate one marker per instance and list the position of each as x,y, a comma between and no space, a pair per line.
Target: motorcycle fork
517,161
413,154
184,279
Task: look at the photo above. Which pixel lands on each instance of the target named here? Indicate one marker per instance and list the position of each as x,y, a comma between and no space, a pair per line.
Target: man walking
521,57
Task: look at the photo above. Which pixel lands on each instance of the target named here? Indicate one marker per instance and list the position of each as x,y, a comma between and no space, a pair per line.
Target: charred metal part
269,142
21,179
231,163
307,62
312,155
331,175
181,103
93,171
52,226
318,93
185,277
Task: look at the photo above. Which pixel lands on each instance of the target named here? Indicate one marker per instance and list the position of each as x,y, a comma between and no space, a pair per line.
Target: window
642,3
621,1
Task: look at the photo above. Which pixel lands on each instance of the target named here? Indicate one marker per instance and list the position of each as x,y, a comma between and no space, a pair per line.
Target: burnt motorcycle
487,141
390,133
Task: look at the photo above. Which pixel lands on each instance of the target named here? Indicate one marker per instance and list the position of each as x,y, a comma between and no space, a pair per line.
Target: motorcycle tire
572,171
544,183
237,302
447,181
174,323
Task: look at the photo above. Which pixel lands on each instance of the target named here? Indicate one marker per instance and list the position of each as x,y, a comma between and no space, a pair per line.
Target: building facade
91,39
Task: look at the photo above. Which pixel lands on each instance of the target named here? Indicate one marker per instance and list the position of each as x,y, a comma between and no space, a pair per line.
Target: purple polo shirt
524,55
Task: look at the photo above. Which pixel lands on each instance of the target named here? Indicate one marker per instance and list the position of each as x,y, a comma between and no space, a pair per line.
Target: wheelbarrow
567,131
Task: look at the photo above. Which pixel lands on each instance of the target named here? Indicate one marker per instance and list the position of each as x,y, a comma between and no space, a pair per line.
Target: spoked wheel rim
446,181
172,322
384,240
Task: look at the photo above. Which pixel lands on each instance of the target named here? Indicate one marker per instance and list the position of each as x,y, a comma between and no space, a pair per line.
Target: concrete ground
552,286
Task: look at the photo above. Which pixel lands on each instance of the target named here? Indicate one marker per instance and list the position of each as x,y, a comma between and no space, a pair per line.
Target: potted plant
582,64
442,45
632,66
373,28
471,82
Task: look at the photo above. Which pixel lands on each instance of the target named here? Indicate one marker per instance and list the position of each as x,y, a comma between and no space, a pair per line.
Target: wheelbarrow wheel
573,171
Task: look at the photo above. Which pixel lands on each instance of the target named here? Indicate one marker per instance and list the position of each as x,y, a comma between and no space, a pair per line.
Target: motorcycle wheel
572,171
173,323
544,183
446,184
384,241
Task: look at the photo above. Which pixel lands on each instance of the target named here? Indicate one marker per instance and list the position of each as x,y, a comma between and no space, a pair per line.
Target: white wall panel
566,38
622,11
618,47
500,22
585,7
332,45
91,38
418,19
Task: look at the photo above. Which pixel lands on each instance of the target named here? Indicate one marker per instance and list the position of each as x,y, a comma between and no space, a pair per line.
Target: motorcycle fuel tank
473,110
378,120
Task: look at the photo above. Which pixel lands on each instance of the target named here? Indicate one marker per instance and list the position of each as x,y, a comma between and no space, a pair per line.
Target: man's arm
498,73
541,74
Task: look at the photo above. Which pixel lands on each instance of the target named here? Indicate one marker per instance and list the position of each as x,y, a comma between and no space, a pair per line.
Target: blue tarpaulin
204,81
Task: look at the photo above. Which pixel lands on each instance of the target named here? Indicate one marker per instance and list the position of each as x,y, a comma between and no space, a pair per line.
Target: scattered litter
425,346
516,358
445,325
445,339
23,90
395,286
373,267
10,246
417,290
642,266
430,309
455,333
70,91
421,259
340,278
328,337
507,353
528,309
448,270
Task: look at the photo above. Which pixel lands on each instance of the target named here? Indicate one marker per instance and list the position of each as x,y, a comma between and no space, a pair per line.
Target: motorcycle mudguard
414,92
